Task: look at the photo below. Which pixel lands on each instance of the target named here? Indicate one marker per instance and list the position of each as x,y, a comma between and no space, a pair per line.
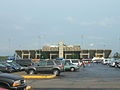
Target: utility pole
119,45
9,47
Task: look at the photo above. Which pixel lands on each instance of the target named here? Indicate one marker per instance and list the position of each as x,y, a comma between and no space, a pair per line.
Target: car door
41,66
49,65
67,66
2,67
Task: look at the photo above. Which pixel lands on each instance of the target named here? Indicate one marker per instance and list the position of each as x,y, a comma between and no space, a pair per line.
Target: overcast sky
31,24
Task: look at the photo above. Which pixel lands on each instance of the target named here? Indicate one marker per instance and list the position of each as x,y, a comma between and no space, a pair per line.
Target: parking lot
94,76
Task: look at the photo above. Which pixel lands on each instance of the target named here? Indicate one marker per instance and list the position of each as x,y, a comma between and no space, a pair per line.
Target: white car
106,61
112,64
74,61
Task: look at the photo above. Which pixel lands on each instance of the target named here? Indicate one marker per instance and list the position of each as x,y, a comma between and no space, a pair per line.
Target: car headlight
17,83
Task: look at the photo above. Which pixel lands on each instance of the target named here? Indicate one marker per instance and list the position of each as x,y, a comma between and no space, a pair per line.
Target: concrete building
62,51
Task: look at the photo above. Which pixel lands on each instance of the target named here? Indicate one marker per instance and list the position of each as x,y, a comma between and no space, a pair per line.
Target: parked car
97,59
70,66
87,60
16,66
12,81
51,66
117,63
106,61
12,65
73,61
112,64
24,62
5,68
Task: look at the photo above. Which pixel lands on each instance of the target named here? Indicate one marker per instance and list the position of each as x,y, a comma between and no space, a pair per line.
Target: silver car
52,66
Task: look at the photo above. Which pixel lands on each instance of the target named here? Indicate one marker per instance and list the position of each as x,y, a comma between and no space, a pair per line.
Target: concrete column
88,55
81,54
50,56
29,54
22,54
35,54
61,45
104,53
65,56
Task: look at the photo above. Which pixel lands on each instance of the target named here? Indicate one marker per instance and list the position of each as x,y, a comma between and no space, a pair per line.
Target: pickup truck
12,81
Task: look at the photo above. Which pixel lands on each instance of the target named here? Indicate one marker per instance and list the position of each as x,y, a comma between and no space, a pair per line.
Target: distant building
62,51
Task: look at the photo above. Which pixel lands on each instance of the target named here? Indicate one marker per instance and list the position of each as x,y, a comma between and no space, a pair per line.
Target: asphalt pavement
93,76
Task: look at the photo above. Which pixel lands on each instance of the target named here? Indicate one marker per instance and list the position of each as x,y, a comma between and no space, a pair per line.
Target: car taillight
30,64
61,66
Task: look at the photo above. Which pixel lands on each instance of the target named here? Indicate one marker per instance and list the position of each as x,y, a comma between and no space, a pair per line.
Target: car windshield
0,72
1,64
74,61
6,64
68,61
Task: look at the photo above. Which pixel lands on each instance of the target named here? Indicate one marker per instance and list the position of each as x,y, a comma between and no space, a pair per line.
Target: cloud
70,19
28,19
105,22
92,44
19,28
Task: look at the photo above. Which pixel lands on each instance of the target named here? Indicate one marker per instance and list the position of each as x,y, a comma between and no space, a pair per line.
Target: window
42,63
74,61
58,62
50,63
67,61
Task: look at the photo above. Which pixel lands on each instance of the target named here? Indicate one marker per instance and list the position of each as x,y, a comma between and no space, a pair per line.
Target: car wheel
72,69
31,72
56,72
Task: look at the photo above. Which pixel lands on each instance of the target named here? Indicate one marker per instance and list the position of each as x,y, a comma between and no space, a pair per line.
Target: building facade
62,51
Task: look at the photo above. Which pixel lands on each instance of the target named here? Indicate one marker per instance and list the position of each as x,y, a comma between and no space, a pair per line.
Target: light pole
9,46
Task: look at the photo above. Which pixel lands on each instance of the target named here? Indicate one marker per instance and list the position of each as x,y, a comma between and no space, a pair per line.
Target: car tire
31,72
56,72
72,69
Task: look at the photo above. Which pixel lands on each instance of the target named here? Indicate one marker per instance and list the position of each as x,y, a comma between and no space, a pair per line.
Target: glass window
58,62
1,64
42,63
67,61
50,63
74,61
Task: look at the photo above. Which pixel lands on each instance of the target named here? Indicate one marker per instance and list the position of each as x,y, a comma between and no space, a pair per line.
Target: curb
39,77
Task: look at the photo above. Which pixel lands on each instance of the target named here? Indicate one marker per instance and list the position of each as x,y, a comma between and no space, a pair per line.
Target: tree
75,56
116,55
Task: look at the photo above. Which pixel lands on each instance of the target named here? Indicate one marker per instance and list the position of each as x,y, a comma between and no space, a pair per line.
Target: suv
12,81
52,66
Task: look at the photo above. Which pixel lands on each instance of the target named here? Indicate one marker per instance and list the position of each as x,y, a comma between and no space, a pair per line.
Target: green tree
44,55
75,56
116,55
